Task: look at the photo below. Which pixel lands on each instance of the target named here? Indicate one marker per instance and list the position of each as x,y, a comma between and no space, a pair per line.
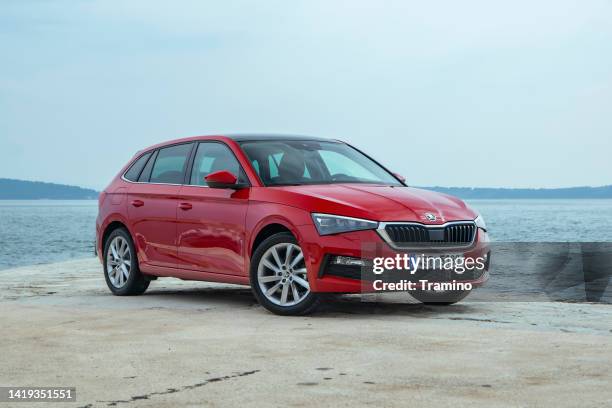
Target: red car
289,216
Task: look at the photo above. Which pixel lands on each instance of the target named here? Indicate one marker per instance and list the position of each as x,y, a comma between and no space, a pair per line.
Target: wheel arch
112,226
267,231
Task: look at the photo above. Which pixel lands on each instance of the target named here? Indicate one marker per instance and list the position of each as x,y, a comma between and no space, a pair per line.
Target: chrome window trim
167,184
383,234
148,182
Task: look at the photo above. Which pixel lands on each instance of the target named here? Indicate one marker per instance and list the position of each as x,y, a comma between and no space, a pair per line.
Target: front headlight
480,223
328,224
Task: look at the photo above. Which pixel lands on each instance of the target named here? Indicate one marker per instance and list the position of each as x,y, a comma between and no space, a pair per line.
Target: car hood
378,202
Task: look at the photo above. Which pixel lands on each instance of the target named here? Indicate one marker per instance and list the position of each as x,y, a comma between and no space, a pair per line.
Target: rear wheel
121,271
279,279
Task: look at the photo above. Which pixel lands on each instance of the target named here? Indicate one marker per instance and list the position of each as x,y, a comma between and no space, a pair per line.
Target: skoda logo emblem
430,217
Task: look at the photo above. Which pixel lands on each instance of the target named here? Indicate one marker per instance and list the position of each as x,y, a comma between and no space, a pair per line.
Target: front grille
414,235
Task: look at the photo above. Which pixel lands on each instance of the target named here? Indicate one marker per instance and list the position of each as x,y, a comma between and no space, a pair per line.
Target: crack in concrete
471,319
175,390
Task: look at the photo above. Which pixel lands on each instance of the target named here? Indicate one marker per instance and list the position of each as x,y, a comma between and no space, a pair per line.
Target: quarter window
170,164
146,172
134,171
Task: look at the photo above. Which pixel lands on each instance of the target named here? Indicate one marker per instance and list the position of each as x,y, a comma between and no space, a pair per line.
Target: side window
212,157
170,164
134,172
146,172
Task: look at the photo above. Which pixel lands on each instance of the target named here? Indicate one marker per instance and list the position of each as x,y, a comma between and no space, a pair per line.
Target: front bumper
318,251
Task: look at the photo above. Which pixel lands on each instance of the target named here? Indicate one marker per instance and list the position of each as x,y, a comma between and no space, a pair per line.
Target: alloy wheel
119,262
281,275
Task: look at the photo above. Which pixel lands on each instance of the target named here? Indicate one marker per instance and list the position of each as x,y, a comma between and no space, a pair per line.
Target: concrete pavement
192,344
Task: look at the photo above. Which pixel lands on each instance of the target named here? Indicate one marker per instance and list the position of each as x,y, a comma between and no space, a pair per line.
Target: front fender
261,214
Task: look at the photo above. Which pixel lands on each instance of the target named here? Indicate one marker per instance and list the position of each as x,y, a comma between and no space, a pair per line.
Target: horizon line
409,185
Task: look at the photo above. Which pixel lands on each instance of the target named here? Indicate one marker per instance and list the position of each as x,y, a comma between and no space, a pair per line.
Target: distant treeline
35,190
509,193
11,189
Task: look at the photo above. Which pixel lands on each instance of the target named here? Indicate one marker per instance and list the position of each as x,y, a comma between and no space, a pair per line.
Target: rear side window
134,172
146,172
170,164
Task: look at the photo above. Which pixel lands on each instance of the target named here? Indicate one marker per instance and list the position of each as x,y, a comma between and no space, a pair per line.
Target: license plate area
436,235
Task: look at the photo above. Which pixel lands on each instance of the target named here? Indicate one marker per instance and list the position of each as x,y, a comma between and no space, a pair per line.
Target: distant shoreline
603,192
12,189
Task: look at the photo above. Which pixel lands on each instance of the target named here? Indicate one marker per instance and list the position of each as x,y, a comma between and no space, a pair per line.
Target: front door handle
185,206
137,203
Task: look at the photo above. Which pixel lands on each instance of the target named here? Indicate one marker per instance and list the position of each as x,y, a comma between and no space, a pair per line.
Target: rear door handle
137,203
185,206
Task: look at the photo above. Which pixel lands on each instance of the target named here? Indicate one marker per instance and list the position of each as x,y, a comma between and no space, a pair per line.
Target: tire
120,263
281,285
440,298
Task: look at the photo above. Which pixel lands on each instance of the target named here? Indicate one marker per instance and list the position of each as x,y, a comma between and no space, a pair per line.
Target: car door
152,205
211,221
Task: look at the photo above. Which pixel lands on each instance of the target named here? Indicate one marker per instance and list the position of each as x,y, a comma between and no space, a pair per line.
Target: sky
447,93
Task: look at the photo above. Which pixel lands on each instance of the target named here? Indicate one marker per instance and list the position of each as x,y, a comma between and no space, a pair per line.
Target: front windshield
282,162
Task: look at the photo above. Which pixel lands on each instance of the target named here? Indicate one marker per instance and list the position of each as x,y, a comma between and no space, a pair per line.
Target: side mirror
222,179
400,177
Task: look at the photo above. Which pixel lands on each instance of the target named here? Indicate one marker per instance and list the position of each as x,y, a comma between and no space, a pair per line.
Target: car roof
238,138
247,137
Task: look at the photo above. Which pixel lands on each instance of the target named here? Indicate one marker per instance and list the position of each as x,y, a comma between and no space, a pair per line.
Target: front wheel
279,279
